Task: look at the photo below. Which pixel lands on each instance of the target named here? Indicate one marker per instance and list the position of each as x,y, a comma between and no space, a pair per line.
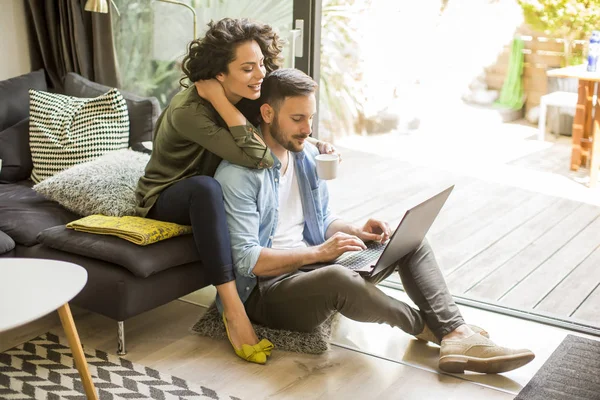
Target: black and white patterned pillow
65,131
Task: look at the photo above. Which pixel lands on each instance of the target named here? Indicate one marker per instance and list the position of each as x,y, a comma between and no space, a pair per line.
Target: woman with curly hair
200,127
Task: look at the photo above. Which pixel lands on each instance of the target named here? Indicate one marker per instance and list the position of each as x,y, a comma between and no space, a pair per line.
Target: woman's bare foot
240,329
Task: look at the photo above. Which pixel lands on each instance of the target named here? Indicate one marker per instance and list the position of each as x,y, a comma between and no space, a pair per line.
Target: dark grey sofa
7,245
124,279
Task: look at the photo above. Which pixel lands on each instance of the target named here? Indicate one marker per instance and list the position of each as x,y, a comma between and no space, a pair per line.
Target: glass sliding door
151,36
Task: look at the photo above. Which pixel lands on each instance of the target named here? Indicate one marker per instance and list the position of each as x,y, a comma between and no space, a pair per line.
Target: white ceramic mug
327,166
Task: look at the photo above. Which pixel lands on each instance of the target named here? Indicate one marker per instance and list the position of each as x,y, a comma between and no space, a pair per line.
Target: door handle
295,34
299,26
297,49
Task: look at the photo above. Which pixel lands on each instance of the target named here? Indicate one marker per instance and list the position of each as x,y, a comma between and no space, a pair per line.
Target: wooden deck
494,241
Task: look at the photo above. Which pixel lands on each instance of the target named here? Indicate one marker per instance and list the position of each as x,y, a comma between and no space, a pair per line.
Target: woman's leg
198,201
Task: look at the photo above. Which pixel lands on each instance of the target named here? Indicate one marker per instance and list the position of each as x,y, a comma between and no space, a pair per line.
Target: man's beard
280,137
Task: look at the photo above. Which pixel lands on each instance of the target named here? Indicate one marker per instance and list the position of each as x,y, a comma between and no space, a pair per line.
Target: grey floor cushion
315,342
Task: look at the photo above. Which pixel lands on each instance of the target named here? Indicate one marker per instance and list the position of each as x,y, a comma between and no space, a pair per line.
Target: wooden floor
160,339
495,241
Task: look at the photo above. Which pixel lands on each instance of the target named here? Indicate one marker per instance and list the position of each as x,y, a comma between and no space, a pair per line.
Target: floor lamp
101,6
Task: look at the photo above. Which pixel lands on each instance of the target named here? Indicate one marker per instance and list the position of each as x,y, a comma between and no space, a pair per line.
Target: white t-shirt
290,225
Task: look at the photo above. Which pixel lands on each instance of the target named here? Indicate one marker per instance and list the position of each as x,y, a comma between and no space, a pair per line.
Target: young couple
275,216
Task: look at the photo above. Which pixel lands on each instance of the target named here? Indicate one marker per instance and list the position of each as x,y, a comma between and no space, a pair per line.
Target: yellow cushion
141,231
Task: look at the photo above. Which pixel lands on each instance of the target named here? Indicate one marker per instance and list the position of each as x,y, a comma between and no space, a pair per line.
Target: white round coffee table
32,288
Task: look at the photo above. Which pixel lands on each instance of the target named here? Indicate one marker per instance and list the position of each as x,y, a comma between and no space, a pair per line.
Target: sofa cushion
104,186
143,111
142,261
14,97
25,213
6,243
65,131
114,292
15,153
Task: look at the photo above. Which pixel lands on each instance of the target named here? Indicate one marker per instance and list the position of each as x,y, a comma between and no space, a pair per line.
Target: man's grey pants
302,300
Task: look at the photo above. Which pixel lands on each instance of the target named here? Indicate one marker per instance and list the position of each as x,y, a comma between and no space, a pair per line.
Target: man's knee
343,287
340,279
424,247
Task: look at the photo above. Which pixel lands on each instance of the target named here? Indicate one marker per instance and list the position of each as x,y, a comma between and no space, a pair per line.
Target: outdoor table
586,124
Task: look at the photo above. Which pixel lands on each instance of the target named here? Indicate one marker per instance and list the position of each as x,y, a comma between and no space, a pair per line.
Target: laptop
408,235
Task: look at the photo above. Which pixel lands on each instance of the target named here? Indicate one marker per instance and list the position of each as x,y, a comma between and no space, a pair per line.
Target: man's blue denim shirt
252,204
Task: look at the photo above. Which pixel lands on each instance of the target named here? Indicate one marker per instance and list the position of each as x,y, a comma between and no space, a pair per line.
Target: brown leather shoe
428,336
479,354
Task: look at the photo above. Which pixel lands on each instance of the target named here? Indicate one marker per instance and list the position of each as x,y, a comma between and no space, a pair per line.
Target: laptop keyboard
361,258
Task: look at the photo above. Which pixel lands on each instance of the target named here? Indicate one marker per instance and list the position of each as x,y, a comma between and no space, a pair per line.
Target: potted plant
569,20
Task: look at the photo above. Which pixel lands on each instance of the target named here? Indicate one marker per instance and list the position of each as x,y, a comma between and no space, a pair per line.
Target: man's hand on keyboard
337,245
375,230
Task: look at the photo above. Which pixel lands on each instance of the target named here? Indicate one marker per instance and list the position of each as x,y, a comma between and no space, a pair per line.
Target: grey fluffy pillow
103,186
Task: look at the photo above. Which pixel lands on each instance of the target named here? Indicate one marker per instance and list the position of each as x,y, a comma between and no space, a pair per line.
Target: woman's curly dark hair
209,56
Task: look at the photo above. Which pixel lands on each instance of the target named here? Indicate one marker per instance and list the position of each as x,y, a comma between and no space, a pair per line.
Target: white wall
14,51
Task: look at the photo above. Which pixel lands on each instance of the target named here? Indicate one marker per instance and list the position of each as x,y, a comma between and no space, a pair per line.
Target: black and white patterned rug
43,368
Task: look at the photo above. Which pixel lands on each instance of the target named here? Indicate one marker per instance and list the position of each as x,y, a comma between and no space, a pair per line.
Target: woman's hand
209,89
327,148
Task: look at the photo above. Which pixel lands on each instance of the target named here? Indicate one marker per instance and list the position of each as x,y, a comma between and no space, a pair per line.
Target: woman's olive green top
190,139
